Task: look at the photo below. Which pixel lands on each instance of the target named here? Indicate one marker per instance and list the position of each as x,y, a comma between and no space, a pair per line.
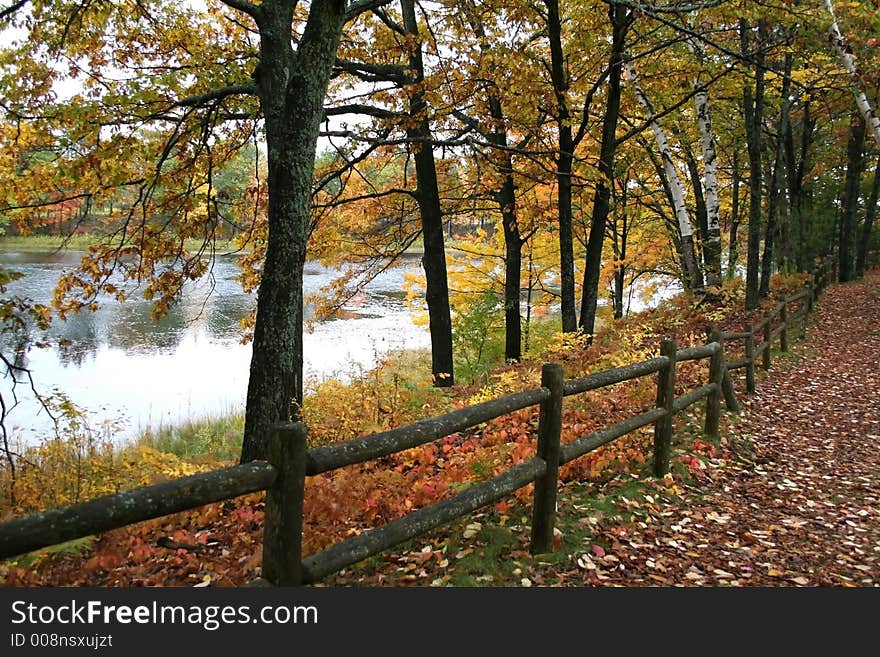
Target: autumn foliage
220,544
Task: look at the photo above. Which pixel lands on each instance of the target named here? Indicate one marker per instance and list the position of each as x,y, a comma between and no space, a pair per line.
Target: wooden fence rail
283,476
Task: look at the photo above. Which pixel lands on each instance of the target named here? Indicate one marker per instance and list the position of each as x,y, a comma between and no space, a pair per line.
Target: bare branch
374,72
11,9
243,6
673,8
357,108
383,16
217,94
358,7
672,108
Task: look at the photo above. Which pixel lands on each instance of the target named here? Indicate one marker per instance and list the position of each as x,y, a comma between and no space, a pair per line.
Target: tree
692,274
206,61
621,20
855,162
753,115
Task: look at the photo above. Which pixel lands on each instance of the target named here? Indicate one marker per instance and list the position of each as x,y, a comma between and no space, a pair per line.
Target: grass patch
206,440
81,242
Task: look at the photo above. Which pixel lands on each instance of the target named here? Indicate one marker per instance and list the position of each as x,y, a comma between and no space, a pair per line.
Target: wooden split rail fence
283,475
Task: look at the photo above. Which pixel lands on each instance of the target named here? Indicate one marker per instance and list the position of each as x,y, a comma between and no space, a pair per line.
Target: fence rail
290,462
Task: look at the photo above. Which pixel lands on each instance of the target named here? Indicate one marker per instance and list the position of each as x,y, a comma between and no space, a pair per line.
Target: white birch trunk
712,249
685,227
839,42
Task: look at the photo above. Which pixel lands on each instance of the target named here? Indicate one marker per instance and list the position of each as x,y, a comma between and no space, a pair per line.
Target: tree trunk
777,192
854,164
693,273
753,112
712,236
513,243
870,214
621,20
506,199
291,86
845,54
798,166
733,245
430,213
564,166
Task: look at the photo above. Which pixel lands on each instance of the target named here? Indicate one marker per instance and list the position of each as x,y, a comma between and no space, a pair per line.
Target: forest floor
803,507
789,495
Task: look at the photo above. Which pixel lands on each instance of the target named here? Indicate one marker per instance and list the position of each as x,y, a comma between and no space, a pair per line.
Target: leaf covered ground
788,496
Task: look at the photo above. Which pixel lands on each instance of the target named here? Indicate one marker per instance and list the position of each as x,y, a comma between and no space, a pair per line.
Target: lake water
121,366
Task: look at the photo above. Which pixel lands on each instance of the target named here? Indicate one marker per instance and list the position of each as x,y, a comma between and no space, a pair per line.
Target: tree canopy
562,147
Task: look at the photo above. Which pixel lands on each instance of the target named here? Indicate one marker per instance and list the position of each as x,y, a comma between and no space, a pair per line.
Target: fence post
808,303
282,535
549,433
730,399
716,376
750,357
783,334
768,329
665,399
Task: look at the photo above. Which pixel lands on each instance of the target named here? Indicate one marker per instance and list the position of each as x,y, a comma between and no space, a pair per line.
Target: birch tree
838,40
691,269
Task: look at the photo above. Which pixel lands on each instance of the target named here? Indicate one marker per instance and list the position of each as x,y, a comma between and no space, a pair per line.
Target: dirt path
804,508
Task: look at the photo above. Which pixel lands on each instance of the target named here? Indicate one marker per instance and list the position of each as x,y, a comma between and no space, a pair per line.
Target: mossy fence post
750,358
768,332
716,377
783,329
665,400
282,533
549,435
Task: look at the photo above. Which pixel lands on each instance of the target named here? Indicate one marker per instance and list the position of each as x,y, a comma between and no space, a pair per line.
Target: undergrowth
75,466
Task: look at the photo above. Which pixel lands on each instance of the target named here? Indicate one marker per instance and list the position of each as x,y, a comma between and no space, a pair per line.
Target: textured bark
753,112
430,213
620,20
512,271
855,162
867,226
102,514
506,199
699,204
712,236
692,273
564,165
797,156
777,197
845,54
291,86
619,230
733,244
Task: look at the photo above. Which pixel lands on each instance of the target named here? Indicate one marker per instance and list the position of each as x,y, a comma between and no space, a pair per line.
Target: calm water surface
123,367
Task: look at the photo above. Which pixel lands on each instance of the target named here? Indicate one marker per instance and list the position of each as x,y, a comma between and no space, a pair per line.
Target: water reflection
119,363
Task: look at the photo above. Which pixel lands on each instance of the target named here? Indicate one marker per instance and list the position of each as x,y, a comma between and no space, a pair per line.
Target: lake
125,368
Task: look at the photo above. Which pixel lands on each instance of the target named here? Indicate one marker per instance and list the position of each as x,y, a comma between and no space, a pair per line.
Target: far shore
81,242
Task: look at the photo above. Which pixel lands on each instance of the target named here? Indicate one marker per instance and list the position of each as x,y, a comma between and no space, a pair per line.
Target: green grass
46,242
72,547
35,243
204,440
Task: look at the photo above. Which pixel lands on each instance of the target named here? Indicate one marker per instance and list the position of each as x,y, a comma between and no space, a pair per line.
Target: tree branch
383,16
358,108
358,7
251,10
217,94
11,9
374,72
673,8
659,115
